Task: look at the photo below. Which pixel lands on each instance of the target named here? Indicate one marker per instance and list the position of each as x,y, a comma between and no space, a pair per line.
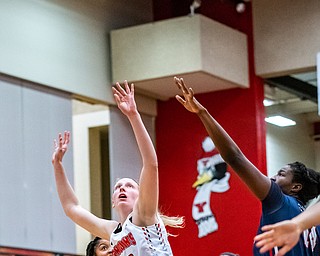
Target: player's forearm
226,146
148,195
66,194
144,141
257,182
309,218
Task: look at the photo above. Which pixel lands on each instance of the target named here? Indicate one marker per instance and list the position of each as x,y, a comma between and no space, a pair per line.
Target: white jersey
131,240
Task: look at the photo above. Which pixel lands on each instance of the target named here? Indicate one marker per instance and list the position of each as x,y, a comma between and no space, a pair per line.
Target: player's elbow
70,211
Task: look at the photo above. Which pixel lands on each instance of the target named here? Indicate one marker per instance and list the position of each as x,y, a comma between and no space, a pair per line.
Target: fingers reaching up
124,98
182,87
120,93
188,100
60,147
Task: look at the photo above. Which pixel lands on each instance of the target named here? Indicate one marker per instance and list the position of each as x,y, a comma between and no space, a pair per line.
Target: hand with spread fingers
285,234
125,98
188,100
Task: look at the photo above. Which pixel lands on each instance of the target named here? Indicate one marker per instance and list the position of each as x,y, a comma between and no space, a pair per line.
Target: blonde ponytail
173,222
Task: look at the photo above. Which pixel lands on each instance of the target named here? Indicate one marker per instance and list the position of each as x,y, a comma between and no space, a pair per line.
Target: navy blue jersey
278,207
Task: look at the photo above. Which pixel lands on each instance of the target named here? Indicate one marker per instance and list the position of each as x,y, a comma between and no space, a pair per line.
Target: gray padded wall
30,213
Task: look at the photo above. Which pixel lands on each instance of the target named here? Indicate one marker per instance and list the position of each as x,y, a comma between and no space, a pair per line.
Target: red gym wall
179,137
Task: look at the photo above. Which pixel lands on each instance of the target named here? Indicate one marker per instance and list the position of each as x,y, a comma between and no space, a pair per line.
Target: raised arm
257,182
286,233
79,215
145,209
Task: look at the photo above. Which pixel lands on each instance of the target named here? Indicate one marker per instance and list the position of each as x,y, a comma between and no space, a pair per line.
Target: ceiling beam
295,86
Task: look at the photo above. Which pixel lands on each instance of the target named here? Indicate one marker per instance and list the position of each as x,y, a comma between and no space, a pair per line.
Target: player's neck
123,214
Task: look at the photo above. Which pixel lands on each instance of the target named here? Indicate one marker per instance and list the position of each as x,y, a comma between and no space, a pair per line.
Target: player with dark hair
98,247
283,196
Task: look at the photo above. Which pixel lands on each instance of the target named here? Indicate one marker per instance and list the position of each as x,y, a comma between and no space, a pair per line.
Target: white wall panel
12,196
31,215
289,144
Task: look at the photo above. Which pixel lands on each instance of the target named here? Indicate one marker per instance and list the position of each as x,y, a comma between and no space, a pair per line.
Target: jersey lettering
123,244
310,238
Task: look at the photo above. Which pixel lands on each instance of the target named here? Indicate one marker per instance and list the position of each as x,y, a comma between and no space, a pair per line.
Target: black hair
91,247
309,179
